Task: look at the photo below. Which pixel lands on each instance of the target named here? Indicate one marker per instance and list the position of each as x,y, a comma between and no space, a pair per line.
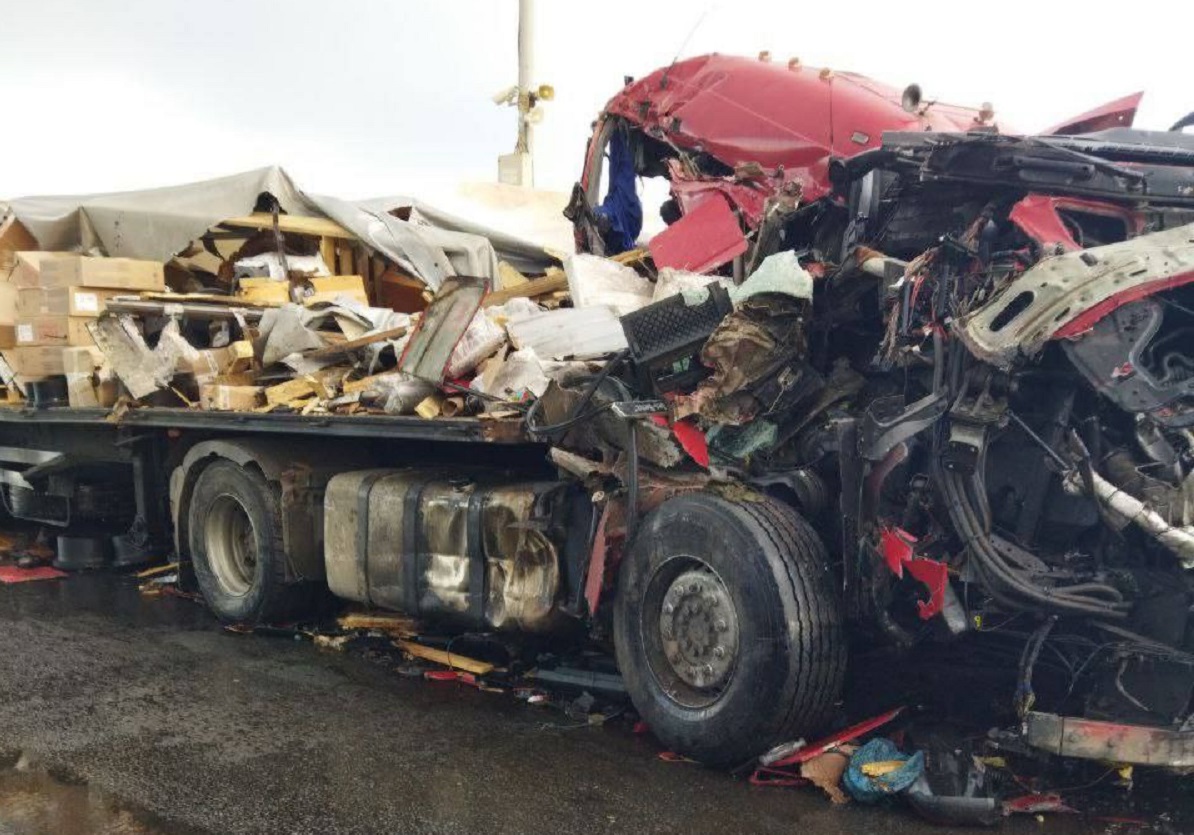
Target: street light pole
518,168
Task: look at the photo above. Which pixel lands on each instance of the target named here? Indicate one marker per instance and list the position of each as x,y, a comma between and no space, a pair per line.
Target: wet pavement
126,714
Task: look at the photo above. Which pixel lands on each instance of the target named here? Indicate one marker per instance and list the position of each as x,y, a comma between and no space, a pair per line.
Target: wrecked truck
981,410
917,380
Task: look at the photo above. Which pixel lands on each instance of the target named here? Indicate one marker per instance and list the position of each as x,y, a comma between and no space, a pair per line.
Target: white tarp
155,224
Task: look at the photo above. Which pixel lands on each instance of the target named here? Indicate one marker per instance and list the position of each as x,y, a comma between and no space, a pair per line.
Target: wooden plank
231,302
265,291
366,383
344,263
327,251
398,625
359,342
330,287
289,390
535,287
448,659
319,227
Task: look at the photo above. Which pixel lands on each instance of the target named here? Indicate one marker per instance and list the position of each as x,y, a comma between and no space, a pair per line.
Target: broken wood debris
447,659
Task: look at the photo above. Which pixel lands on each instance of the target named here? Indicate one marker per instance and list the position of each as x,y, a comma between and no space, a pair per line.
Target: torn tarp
156,224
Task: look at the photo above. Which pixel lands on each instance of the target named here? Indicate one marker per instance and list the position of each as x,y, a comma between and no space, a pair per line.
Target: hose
1004,583
579,415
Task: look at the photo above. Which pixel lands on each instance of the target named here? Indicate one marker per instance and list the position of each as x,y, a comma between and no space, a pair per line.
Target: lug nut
722,626
720,652
668,608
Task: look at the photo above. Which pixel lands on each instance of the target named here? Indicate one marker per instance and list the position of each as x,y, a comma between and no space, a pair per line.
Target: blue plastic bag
866,789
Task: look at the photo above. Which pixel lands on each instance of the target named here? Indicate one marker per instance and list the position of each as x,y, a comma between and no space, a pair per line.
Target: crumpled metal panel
741,110
515,551
441,327
1119,113
1089,739
1063,296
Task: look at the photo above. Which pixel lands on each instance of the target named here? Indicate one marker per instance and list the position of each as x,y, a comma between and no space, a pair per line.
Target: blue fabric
873,789
621,207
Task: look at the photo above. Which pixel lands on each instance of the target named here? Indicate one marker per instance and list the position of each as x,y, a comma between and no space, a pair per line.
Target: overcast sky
369,97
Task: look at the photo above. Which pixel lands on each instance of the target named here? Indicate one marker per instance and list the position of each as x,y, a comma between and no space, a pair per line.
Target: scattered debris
16,574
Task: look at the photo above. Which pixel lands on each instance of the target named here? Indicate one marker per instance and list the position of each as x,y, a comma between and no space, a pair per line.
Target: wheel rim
231,545
690,632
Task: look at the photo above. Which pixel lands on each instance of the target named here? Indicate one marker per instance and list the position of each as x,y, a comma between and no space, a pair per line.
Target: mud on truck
920,376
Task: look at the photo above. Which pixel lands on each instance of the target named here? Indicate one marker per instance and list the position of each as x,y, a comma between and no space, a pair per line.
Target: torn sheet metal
703,239
1065,295
739,110
1071,736
441,327
1118,113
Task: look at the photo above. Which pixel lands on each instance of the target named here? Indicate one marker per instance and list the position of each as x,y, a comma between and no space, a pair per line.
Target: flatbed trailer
465,521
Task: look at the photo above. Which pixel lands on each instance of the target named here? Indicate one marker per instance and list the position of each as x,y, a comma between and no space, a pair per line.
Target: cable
578,414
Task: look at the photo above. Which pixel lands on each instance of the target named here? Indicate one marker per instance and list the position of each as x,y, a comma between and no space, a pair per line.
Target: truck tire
727,629
235,538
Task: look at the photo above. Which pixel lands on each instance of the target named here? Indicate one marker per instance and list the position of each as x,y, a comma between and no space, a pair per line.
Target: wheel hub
699,627
231,545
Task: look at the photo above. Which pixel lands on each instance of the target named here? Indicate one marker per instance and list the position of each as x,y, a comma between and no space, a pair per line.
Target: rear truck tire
728,631
236,547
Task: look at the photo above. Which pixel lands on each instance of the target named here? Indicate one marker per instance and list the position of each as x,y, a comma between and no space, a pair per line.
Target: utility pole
518,168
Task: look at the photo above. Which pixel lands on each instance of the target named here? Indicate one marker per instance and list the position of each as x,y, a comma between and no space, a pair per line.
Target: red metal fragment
897,548
701,240
15,574
1119,113
1037,217
690,438
850,734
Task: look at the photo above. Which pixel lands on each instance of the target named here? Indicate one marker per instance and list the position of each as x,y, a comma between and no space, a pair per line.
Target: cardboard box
27,267
81,360
112,273
9,298
63,301
80,391
235,359
62,331
35,363
14,238
218,397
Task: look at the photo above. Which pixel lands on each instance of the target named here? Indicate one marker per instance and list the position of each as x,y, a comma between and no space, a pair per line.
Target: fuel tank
472,549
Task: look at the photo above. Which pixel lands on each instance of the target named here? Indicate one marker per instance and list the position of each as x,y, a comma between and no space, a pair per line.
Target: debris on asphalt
16,574
879,770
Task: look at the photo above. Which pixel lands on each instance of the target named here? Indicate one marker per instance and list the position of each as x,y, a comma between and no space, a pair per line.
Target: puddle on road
39,801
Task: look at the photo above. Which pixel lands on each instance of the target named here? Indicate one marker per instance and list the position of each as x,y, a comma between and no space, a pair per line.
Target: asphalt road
121,714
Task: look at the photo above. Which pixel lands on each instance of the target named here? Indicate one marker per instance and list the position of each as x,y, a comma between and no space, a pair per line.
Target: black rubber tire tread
272,598
823,658
794,606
